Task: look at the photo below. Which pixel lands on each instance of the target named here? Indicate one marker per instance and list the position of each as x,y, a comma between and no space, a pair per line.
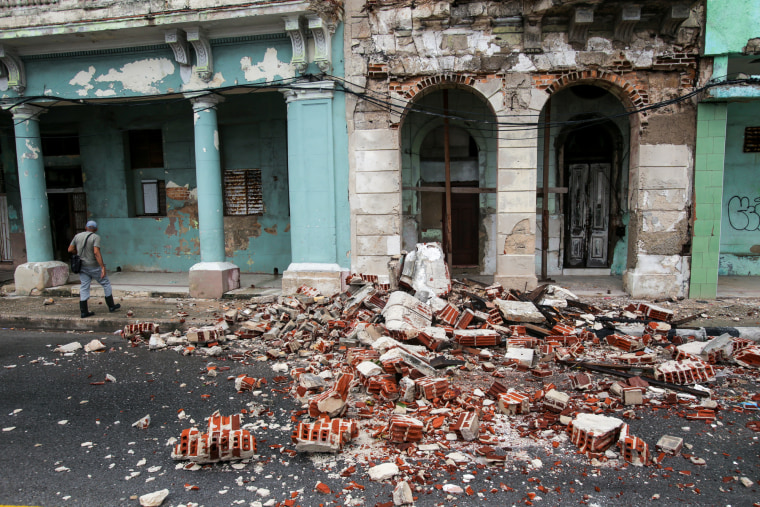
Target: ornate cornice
15,68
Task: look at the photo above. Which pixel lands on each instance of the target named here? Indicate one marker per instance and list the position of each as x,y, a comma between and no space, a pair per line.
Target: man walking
87,245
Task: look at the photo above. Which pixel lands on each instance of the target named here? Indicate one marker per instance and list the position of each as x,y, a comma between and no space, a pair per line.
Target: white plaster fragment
140,76
83,78
267,68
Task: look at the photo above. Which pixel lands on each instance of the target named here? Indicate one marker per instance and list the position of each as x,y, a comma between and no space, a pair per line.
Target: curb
65,323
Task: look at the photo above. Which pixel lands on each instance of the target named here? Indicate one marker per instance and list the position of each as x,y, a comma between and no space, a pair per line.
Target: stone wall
515,54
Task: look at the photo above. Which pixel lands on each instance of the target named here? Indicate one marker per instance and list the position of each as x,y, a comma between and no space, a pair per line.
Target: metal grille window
243,194
752,140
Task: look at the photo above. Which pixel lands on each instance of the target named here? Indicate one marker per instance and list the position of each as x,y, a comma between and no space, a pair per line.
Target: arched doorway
588,174
589,155
449,177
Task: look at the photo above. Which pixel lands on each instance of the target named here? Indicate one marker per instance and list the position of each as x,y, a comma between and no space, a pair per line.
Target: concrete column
40,270
311,182
516,208
213,276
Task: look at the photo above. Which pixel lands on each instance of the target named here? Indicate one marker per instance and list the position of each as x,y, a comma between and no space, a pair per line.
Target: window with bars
243,194
752,140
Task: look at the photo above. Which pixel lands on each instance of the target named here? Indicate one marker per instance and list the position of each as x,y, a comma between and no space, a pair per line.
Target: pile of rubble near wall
462,370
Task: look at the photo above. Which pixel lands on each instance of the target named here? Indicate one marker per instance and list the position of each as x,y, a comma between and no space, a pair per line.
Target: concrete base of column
657,276
210,280
39,276
520,282
326,278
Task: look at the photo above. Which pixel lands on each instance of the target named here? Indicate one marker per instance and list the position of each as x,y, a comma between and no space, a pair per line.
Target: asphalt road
66,441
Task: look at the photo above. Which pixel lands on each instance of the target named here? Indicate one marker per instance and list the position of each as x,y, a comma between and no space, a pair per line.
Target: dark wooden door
465,219
588,216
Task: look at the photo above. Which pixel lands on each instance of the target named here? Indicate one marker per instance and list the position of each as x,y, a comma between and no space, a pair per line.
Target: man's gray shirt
87,252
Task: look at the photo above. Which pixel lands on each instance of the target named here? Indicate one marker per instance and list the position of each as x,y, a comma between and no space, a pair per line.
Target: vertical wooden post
545,194
447,164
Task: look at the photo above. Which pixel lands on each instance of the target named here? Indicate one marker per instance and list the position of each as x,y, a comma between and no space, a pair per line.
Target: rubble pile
440,370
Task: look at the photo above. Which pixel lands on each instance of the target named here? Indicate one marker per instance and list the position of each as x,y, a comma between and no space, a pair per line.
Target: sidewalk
162,297
151,297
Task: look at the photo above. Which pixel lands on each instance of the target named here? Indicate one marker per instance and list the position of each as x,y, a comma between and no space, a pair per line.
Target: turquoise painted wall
740,223
152,70
252,135
728,29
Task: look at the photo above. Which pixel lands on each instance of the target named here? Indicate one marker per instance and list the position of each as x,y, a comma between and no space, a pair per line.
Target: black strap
86,239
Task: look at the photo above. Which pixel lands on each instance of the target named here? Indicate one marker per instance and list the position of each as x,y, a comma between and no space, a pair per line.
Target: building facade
201,136
482,124
727,186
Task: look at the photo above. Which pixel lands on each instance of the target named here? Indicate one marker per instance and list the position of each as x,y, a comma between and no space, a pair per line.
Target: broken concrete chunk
369,369
521,355
154,499
594,432
383,472
405,313
670,444
94,346
425,269
142,423
402,494
333,401
68,348
519,311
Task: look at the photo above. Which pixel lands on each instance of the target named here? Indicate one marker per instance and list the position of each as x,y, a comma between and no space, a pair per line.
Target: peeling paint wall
252,135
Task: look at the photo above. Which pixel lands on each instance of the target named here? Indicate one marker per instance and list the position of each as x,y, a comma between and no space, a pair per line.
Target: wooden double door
588,216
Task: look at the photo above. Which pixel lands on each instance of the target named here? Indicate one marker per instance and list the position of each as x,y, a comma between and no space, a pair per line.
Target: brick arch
415,88
633,95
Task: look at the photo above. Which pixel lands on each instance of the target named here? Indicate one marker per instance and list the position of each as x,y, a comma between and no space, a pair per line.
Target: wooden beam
454,190
447,165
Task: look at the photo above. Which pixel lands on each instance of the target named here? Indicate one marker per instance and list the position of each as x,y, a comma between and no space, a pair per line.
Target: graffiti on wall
744,215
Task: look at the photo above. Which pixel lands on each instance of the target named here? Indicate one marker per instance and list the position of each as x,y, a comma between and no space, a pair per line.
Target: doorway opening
589,156
449,177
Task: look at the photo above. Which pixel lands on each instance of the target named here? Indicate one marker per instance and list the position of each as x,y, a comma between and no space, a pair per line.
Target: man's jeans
86,275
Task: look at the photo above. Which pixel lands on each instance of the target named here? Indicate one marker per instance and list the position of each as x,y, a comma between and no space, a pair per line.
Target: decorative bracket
676,15
204,60
532,34
178,42
626,21
15,67
580,21
294,28
322,32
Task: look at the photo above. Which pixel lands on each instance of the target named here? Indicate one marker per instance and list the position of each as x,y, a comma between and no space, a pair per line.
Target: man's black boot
83,309
112,307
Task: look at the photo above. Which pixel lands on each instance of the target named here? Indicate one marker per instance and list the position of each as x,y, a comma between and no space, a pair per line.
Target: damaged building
531,138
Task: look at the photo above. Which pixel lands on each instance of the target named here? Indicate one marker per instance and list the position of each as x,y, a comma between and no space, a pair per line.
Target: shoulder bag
76,260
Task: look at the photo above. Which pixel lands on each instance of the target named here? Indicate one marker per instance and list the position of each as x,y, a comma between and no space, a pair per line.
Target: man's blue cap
91,223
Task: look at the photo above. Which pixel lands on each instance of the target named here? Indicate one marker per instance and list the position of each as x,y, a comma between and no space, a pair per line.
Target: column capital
24,112
204,100
309,91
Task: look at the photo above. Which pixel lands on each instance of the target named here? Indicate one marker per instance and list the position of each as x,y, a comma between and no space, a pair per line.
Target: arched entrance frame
618,184
411,168
628,94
